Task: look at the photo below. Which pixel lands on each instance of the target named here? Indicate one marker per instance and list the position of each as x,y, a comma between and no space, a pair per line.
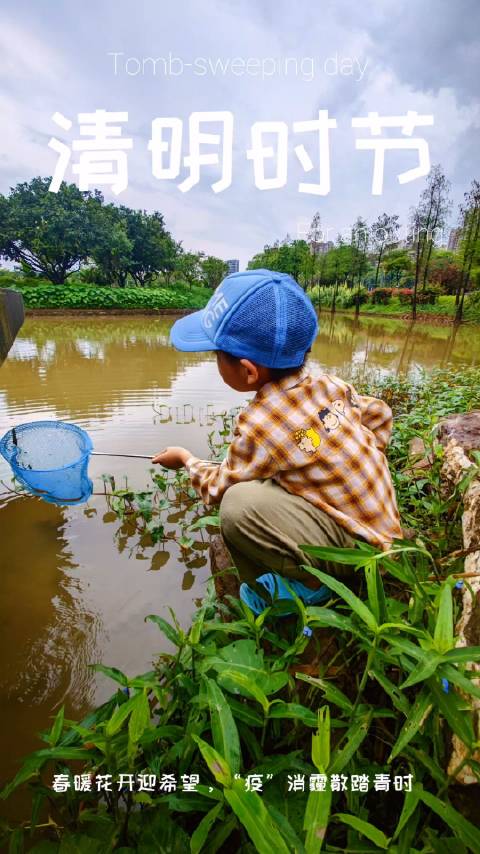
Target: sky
260,60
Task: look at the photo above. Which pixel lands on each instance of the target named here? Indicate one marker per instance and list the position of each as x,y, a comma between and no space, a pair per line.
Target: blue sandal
275,585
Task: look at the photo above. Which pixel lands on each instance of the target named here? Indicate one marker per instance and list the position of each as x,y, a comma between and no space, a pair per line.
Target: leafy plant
232,700
90,297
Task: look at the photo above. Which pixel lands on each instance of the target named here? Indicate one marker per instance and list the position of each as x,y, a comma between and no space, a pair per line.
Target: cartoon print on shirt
329,419
307,440
339,406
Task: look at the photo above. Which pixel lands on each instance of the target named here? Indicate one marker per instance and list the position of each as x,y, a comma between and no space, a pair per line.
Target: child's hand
172,458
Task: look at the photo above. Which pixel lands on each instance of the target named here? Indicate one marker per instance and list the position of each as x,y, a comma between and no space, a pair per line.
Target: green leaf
286,829
450,672
221,834
427,665
204,522
119,717
112,673
354,737
140,717
364,828
330,691
443,636
464,829
419,713
345,593
462,655
409,806
200,834
259,824
166,628
216,763
245,713
321,741
353,557
280,709
315,821
15,845
376,593
455,710
398,699
230,677
237,627
57,727
224,728
317,616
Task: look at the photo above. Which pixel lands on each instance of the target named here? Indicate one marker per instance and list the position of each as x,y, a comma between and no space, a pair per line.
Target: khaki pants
263,524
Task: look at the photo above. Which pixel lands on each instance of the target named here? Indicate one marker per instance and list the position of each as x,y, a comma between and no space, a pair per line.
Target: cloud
421,56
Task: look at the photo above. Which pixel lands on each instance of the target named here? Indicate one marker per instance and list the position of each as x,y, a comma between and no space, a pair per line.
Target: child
307,463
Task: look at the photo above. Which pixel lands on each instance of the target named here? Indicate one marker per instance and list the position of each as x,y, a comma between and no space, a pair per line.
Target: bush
474,298
345,298
429,295
405,295
381,296
90,297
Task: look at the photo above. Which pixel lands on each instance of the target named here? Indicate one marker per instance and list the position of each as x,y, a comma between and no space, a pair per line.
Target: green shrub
345,297
404,295
429,295
89,297
381,296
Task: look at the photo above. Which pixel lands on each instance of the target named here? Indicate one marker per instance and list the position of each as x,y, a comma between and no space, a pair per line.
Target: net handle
142,457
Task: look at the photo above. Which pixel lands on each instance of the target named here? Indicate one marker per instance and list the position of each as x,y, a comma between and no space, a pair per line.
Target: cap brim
188,334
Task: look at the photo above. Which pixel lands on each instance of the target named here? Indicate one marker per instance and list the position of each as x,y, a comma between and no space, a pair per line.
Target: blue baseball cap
259,315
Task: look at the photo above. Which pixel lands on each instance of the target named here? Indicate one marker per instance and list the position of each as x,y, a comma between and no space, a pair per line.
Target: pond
75,588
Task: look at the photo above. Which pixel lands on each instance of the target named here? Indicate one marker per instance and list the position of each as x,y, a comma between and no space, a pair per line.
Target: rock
455,465
464,428
225,577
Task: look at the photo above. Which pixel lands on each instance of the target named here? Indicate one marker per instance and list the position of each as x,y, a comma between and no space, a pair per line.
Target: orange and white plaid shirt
319,439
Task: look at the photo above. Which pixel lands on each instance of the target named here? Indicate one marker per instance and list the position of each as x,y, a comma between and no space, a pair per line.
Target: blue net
50,459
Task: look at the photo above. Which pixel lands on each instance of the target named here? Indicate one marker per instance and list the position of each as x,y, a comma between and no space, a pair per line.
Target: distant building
233,266
453,239
322,247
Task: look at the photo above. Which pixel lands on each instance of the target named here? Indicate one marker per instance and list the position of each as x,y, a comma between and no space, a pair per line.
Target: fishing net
50,459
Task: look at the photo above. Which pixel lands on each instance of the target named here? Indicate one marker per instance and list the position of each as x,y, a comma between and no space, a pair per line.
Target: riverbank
440,313
427,318
107,312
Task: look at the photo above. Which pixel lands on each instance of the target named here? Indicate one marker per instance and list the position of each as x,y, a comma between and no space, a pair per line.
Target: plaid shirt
319,439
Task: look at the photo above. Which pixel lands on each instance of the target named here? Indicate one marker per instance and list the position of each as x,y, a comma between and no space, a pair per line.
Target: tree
213,270
153,249
396,264
289,256
113,248
425,221
189,266
314,238
51,233
469,242
383,234
445,270
359,242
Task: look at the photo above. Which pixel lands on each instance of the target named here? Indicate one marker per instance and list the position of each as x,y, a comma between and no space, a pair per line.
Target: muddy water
73,591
